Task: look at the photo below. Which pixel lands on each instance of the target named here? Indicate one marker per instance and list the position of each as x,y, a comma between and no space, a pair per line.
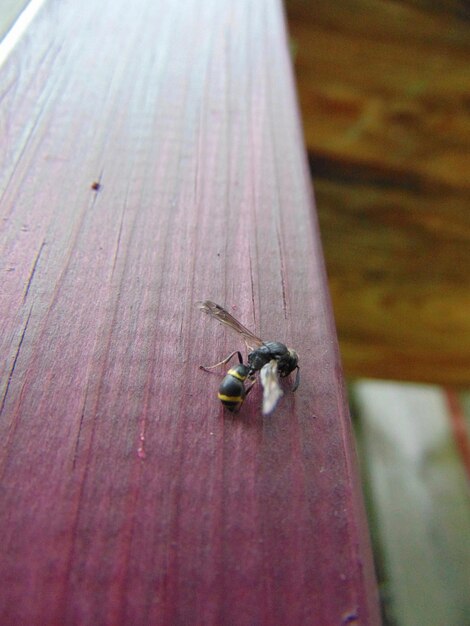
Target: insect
270,358
232,390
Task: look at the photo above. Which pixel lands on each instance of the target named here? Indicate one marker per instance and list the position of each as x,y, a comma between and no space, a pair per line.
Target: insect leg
297,379
248,389
230,356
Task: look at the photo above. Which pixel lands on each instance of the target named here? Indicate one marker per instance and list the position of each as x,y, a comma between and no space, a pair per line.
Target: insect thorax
287,359
265,353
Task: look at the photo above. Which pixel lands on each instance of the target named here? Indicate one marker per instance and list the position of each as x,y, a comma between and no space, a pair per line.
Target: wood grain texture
127,495
383,90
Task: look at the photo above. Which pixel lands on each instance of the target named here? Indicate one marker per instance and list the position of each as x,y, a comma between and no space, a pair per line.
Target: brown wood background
384,92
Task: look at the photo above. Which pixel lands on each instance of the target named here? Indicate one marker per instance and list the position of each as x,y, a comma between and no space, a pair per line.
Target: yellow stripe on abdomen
235,374
224,398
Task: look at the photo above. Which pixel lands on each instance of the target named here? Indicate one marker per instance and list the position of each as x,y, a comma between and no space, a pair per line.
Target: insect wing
271,389
220,314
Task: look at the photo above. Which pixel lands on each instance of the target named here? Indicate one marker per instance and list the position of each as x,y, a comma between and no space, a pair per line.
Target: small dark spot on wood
96,186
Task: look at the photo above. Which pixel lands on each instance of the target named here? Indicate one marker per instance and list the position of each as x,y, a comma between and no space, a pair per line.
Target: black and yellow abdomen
232,390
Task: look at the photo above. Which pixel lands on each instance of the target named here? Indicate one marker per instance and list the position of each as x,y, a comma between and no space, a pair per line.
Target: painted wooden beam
151,156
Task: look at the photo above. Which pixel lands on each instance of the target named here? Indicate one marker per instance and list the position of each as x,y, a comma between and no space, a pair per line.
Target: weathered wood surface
127,495
384,90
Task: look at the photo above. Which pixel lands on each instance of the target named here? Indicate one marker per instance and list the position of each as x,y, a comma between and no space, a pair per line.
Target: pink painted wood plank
127,495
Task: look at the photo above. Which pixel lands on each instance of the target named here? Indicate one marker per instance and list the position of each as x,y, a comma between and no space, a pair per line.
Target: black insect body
232,391
271,358
287,360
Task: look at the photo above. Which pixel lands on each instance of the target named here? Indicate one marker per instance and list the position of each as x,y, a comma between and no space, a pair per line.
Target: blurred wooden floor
384,93
413,444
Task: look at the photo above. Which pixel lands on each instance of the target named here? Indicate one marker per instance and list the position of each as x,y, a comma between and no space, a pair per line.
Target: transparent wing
271,389
220,314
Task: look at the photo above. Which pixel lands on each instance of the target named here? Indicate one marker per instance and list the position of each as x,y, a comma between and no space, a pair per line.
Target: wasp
232,390
270,358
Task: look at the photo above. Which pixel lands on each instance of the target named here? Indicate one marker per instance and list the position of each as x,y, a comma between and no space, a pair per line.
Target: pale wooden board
9,11
419,496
